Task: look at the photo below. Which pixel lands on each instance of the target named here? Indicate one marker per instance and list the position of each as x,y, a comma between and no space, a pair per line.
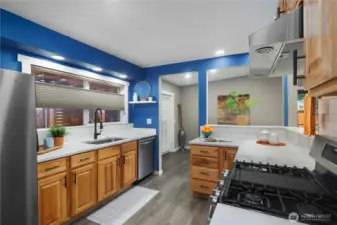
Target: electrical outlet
148,121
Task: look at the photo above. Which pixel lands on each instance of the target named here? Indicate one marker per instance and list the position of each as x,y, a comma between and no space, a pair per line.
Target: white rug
119,210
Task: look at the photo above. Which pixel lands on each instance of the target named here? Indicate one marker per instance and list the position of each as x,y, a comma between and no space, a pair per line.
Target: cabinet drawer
129,146
51,167
204,173
203,187
82,159
205,162
108,152
204,151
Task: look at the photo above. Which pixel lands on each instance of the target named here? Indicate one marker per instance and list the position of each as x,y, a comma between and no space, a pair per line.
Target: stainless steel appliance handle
145,143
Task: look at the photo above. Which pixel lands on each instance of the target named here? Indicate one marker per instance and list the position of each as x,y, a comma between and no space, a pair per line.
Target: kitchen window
47,117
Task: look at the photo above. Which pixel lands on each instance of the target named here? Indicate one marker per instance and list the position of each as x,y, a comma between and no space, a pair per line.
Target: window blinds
55,96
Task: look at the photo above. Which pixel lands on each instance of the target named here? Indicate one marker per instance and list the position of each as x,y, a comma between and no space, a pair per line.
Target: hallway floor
174,205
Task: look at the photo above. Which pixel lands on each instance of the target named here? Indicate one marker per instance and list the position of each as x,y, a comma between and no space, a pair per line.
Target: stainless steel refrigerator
18,146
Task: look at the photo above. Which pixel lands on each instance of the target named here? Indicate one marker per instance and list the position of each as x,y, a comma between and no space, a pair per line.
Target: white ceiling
182,79
152,32
185,79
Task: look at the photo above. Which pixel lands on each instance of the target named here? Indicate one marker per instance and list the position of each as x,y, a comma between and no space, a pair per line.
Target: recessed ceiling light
188,75
63,79
220,52
123,76
212,71
97,69
40,75
58,57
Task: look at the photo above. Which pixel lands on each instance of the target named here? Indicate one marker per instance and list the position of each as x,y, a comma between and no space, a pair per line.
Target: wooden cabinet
74,184
229,157
204,168
130,168
130,163
52,198
83,188
108,177
321,47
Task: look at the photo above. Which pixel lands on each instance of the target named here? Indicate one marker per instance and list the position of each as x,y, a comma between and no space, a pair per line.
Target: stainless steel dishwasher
145,157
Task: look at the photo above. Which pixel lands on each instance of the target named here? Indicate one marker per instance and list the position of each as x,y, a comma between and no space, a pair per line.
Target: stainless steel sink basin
104,141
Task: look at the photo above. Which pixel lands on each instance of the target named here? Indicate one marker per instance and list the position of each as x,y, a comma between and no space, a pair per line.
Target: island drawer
203,187
82,159
205,162
52,167
205,151
202,173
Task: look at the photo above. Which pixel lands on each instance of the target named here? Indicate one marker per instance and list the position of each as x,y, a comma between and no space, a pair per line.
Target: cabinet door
83,188
130,168
52,197
229,157
320,42
108,177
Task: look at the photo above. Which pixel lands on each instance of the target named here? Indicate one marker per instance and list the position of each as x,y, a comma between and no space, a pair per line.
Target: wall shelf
142,102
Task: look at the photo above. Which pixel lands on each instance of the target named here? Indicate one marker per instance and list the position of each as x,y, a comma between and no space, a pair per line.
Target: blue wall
139,114
21,35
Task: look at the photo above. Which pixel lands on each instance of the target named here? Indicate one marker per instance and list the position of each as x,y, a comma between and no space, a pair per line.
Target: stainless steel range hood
271,48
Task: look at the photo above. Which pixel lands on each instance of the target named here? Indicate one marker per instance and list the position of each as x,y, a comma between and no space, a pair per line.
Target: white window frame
27,63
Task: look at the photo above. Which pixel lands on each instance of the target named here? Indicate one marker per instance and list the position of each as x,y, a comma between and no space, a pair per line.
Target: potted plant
58,132
240,106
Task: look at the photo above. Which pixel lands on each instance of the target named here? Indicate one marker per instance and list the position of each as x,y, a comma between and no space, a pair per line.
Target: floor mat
122,208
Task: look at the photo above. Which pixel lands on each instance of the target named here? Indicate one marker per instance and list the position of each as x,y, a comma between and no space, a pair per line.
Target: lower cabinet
229,157
108,177
83,188
52,195
130,168
74,184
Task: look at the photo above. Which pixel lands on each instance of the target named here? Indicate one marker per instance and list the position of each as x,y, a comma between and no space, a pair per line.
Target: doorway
167,121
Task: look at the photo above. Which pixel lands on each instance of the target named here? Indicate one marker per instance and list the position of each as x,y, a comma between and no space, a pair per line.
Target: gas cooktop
288,192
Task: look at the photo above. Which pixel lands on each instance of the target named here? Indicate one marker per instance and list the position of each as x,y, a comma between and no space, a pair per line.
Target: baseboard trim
158,173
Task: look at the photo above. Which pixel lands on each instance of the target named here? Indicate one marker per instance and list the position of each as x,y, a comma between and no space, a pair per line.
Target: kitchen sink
104,141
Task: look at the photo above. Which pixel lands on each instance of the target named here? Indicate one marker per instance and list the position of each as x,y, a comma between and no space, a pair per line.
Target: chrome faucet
101,123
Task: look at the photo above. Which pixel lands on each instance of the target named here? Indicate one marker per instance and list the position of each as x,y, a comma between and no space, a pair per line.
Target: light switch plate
148,121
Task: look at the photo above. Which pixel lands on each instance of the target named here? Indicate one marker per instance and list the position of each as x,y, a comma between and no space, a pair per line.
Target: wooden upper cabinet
84,188
129,168
108,177
52,195
321,47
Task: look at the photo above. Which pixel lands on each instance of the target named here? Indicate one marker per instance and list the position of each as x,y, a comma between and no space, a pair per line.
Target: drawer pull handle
84,159
51,168
204,162
204,151
205,187
204,173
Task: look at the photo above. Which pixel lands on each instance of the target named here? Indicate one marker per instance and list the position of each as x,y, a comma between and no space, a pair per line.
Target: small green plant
58,131
237,105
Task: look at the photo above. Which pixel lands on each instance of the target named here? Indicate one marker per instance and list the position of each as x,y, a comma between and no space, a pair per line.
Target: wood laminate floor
174,205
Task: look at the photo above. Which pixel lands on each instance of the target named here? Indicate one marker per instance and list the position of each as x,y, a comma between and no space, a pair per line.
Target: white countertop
77,146
248,150
225,214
